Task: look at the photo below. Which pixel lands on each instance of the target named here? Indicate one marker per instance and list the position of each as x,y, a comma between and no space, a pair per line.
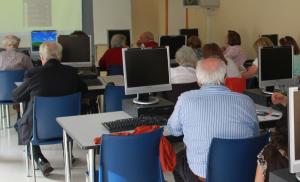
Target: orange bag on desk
167,155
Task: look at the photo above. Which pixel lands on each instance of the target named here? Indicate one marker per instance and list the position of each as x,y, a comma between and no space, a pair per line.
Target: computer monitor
111,33
189,32
76,50
275,66
145,71
294,128
40,36
272,37
174,42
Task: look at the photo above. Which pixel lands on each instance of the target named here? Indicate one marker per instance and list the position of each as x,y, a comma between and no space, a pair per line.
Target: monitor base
149,101
297,175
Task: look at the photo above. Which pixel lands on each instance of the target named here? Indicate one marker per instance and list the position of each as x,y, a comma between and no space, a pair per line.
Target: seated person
185,72
233,49
274,156
113,56
79,33
213,50
212,111
147,40
12,60
195,43
252,70
51,79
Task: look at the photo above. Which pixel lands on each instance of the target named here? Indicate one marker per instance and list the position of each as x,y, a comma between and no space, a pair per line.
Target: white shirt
183,74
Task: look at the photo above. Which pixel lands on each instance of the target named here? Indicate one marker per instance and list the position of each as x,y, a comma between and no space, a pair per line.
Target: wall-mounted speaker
210,3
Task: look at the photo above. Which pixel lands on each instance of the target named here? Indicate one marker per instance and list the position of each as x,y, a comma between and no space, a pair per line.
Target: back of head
213,50
185,56
194,42
262,42
148,36
211,71
233,38
79,33
118,41
11,41
290,41
50,50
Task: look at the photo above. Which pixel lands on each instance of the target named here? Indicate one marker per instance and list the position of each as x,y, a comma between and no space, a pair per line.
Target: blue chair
133,158
115,70
234,160
113,97
7,85
46,130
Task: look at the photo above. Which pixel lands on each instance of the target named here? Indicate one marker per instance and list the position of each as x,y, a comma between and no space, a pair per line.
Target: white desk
118,80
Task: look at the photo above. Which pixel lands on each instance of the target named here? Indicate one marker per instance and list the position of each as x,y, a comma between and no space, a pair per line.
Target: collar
52,62
214,87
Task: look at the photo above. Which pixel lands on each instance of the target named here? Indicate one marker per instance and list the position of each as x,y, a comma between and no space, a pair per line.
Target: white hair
11,41
118,40
186,56
51,50
214,75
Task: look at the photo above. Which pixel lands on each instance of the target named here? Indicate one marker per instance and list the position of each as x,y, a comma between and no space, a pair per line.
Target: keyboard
132,123
92,82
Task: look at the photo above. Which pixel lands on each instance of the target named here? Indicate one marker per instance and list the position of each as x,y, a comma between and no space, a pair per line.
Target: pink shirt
236,54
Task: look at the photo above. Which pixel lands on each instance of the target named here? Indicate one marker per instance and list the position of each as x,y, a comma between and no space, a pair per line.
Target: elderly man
212,111
52,79
146,40
10,59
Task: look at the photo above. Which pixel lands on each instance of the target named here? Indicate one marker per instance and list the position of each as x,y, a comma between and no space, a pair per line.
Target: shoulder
32,71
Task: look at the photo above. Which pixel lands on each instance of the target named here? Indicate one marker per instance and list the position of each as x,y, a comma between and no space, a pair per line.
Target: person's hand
279,98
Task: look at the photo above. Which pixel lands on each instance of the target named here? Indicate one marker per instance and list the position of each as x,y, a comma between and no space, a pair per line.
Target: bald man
212,111
147,40
51,79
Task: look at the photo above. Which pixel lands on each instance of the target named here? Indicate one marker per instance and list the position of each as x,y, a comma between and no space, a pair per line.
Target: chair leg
27,160
70,153
7,116
2,116
32,162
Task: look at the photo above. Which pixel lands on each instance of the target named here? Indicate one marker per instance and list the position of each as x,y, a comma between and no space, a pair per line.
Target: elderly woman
10,59
185,72
195,43
113,56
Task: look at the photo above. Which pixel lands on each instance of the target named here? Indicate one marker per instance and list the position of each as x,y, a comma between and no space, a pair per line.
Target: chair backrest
133,158
178,89
236,84
234,160
115,70
113,97
45,112
7,83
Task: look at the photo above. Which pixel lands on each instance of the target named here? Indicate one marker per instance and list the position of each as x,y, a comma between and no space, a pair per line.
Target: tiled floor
12,161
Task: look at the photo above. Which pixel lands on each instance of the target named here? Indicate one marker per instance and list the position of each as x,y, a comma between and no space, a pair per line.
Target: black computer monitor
40,36
76,50
189,32
272,37
145,71
275,66
111,33
174,43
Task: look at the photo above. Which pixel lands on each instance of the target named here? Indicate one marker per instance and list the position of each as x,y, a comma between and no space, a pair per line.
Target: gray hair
186,56
51,50
118,40
11,41
211,71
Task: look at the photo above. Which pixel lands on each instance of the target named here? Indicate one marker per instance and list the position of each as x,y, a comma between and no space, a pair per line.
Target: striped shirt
212,111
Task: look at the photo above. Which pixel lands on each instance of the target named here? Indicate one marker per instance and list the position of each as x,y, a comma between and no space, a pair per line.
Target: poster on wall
191,2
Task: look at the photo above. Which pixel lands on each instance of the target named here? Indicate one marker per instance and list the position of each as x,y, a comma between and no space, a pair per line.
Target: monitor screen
146,70
76,50
38,37
189,32
275,66
272,37
174,43
111,33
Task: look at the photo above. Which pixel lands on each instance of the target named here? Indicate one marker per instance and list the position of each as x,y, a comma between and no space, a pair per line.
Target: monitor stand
145,99
297,175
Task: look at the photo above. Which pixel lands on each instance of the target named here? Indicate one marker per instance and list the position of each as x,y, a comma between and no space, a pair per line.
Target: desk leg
67,157
91,163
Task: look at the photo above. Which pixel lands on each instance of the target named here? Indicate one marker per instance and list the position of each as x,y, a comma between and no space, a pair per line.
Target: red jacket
112,56
151,44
